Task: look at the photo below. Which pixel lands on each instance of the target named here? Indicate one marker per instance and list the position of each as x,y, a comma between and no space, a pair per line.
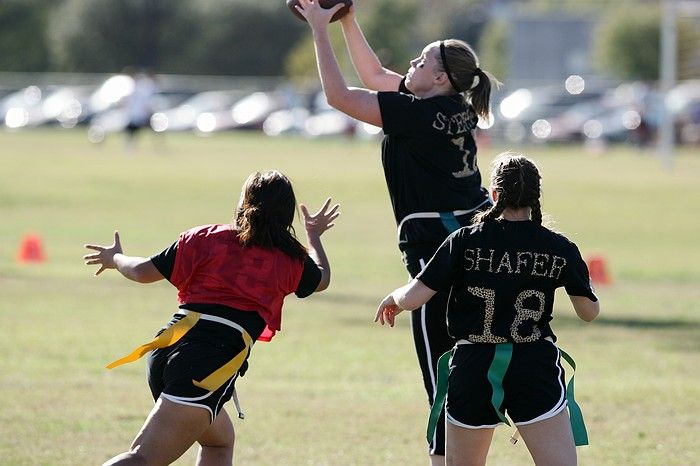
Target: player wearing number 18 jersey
502,282
501,274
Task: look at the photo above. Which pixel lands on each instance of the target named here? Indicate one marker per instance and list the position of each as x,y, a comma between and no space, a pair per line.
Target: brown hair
463,66
265,214
516,179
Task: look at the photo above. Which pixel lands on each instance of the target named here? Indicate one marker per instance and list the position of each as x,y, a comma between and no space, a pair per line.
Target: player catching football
429,117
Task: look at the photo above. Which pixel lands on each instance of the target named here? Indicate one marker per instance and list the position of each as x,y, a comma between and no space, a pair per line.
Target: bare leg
216,444
466,447
169,430
551,441
437,460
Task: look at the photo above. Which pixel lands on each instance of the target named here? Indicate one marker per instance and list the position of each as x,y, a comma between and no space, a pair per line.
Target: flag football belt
496,373
176,331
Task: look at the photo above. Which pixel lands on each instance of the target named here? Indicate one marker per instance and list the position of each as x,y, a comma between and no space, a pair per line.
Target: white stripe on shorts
428,355
181,401
560,405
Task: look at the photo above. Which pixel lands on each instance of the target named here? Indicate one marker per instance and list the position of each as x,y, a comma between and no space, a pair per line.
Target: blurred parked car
622,114
67,106
631,113
286,121
250,112
183,116
5,91
568,126
21,108
110,94
34,106
116,118
320,120
684,102
526,113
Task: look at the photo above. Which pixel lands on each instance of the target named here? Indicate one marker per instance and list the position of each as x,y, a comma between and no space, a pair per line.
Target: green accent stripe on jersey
450,221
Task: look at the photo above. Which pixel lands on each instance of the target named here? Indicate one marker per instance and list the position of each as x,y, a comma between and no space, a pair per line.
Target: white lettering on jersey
469,168
532,263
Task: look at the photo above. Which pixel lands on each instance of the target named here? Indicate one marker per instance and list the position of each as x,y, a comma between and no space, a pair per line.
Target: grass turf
332,388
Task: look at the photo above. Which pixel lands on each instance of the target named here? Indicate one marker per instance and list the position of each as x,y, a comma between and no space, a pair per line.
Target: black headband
447,68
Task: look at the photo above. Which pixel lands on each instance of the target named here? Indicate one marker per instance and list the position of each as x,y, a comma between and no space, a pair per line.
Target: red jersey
211,267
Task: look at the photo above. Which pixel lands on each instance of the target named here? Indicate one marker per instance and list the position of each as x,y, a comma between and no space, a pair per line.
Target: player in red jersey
231,281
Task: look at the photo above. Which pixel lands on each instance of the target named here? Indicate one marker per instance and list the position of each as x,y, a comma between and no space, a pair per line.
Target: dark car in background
526,114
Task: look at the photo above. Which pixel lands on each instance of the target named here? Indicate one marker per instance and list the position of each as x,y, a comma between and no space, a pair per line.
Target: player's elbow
325,281
144,272
376,79
588,317
586,309
335,101
589,311
372,80
338,99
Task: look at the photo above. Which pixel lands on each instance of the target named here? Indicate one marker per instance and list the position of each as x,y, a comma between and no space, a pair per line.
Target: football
325,4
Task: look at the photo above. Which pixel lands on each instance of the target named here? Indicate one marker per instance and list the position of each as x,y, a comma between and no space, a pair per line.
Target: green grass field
333,388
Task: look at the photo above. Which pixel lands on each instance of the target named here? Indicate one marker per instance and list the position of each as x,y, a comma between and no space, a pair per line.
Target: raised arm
315,226
361,104
368,67
409,297
138,269
586,309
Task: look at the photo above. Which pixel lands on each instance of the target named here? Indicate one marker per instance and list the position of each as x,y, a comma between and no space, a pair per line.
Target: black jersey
429,157
502,276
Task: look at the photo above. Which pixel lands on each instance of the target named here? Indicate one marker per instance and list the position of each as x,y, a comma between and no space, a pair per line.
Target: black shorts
210,344
533,385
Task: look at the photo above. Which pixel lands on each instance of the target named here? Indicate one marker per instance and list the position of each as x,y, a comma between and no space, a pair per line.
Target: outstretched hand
104,257
315,14
322,220
387,311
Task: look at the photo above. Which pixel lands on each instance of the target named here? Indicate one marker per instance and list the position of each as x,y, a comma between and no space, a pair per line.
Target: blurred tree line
261,37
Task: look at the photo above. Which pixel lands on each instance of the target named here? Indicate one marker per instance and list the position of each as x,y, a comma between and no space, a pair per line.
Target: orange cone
31,249
598,270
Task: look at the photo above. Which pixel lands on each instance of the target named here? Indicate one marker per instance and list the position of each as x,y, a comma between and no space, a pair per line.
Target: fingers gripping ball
327,4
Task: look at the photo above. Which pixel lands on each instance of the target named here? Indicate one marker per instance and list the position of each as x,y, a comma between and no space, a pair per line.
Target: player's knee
133,457
217,449
219,442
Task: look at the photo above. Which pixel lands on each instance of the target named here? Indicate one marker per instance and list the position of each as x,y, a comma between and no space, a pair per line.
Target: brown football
325,4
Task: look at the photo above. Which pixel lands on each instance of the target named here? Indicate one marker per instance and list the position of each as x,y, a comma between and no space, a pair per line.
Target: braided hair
265,214
516,179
